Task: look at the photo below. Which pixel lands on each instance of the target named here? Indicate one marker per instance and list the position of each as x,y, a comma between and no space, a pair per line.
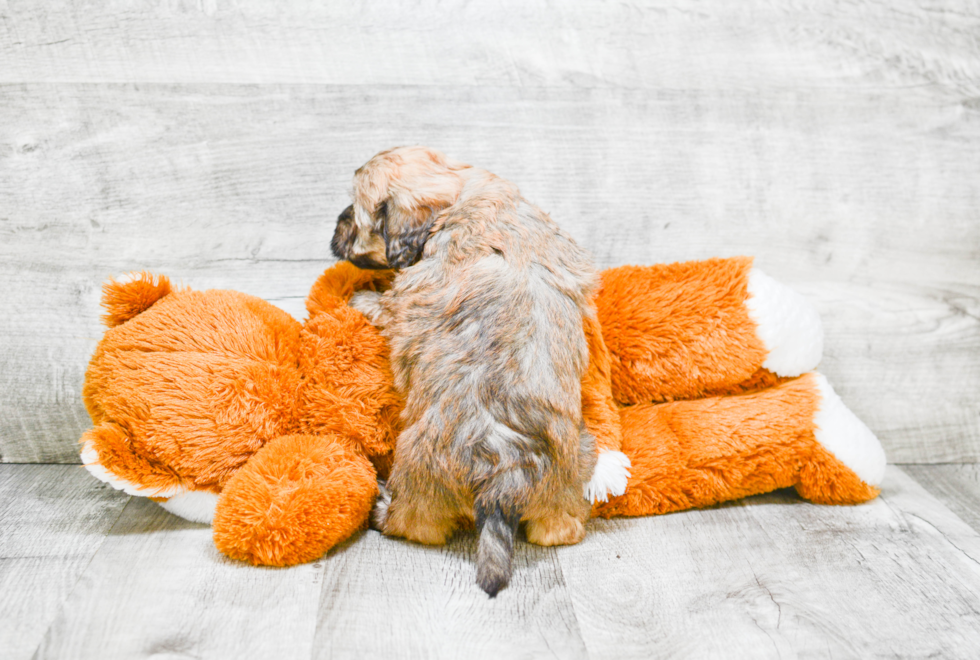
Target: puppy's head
397,196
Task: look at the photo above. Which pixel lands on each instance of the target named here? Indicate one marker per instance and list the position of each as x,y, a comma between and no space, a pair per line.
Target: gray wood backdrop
837,141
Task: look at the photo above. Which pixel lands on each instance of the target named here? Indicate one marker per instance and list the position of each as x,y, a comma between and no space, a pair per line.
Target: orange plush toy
226,410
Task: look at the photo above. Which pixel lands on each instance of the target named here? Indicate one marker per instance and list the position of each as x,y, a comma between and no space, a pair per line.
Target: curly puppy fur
484,319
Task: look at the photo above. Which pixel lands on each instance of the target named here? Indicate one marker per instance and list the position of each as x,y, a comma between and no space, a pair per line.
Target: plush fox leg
110,456
294,499
684,331
697,453
848,459
601,414
694,329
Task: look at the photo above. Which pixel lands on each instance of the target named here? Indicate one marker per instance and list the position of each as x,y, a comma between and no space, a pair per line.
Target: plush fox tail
124,300
496,524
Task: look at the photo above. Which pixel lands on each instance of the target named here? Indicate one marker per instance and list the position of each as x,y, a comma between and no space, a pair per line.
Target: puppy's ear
405,237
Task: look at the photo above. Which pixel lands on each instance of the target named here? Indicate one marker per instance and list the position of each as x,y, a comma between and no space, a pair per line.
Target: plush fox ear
124,300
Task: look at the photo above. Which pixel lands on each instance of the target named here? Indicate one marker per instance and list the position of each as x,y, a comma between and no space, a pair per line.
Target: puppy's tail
497,525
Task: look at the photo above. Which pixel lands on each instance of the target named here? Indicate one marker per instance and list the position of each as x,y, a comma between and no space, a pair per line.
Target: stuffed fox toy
226,410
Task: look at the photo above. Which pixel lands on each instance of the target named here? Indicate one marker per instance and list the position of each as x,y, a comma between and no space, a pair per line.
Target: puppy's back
492,352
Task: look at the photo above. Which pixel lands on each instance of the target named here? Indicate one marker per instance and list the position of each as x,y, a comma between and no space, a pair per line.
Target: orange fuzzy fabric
678,331
299,495
128,460
825,480
124,300
194,386
223,392
339,282
347,387
698,453
599,408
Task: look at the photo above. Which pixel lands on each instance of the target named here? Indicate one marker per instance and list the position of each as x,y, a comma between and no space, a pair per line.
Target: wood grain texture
906,358
387,598
53,519
670,44
774,577
864,198
956,486
159,588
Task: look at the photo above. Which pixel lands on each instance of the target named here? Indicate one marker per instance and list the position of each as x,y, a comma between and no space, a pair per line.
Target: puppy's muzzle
343,240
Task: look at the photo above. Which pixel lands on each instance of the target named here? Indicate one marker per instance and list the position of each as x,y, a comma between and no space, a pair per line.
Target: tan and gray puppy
484,319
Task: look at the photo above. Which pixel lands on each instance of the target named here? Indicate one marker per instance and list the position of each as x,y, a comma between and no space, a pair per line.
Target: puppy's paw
610,477
399,517
379,514
429,533
560,529
368,303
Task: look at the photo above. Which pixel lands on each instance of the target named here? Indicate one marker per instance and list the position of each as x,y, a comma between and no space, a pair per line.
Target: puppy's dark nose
343,235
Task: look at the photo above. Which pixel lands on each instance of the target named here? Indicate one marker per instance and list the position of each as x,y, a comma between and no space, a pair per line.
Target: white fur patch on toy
90,459
194,505
846,437
610,476
788,325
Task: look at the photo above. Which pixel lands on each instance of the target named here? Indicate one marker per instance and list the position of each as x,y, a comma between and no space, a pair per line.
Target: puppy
484,320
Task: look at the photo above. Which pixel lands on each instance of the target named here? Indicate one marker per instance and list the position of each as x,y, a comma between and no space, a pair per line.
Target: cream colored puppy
484,319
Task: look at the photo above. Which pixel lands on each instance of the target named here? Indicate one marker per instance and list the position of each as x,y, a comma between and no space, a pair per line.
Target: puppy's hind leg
413,504
558,528
426,522
558,516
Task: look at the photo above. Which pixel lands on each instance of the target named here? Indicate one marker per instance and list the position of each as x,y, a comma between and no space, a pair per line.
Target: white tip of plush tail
610,477
845,436
787,323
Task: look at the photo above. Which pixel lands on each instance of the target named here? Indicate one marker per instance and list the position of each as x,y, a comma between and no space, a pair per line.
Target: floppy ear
405,236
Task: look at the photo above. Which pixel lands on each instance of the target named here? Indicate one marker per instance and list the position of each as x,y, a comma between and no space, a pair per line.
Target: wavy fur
485,326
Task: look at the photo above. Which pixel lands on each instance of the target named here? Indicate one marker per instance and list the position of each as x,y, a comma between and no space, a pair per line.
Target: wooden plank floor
88,572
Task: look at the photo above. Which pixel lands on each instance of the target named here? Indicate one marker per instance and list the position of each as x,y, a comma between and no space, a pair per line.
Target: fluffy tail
124,300
497,526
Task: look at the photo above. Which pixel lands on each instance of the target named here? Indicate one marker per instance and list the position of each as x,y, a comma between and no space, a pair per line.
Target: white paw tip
787,323
90,459
194,505
610,477
845,436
